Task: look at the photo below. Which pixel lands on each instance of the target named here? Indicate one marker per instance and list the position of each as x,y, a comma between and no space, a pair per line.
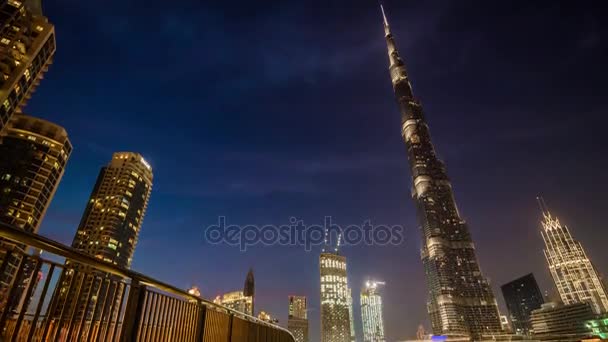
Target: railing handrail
41,242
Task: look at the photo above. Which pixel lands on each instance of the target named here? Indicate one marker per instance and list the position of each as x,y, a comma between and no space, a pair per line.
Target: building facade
236,301
335,320
371,313
109,231
27,47
556,322
576,279
297,322
249,289
522,296
33,157
461,302
353,335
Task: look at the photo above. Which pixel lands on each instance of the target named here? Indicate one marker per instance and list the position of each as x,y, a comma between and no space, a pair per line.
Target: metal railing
86,299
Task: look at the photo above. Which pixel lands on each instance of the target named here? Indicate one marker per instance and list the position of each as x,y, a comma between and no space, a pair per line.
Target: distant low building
194,291
266,317
236,301
557,322
599,327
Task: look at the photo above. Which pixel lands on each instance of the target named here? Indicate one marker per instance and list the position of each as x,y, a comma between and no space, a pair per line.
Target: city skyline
361,268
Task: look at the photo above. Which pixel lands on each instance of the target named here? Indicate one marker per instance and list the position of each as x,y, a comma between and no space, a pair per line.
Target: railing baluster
151,309
95,312
47,282
122,298
101,334
112,308
181,314
76,306
11,294
161,320
85,314
146,316
50,311
202,316
56,330
171,328
192,321
28,294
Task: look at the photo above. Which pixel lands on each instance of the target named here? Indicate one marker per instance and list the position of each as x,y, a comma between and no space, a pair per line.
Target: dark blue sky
260,111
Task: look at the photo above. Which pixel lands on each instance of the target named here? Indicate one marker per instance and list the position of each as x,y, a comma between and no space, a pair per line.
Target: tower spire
543,206
387,29
396,65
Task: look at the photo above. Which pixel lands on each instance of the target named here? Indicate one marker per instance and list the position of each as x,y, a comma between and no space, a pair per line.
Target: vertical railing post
134,311
230,327
202,316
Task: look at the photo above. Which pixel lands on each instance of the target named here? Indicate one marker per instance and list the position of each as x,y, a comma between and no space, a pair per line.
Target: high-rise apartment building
27,46
371,313
33,157
109,228
236,301
461,302
576,279
522,296
297,322
335,320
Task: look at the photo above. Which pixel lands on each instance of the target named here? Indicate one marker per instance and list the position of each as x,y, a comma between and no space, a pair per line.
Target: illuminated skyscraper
33,157
522,296
461,302
371,313
297,322
27,46
576,279
236,301
110,226
353,336
335,321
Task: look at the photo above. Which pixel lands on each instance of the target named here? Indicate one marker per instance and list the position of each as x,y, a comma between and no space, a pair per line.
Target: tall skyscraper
33,157
27,46
335,321
461,302
110,226
576,279
236,301
371,313
522,296
297,322
249,289
353,335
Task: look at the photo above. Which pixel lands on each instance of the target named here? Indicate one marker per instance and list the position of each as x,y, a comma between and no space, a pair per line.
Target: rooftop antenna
325,240
543,206
386,26
338,244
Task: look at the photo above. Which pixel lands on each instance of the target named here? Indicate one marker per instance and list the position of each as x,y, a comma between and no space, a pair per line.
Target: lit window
39,28
5,41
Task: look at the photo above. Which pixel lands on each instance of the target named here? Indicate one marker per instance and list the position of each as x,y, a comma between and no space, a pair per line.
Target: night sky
264,110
